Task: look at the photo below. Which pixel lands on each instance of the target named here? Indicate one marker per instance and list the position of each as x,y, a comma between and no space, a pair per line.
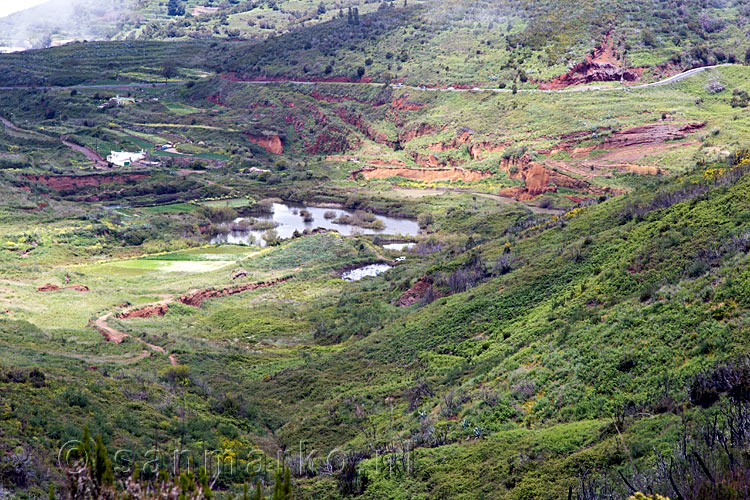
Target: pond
399,247
369,270
288,219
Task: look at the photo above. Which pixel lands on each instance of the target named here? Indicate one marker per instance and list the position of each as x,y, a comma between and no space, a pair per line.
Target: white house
123,101
125,158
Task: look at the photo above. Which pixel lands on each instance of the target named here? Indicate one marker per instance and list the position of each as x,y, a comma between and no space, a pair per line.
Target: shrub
424,220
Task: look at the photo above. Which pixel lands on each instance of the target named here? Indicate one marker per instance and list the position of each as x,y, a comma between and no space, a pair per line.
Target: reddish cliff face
64,182
271,143
601,66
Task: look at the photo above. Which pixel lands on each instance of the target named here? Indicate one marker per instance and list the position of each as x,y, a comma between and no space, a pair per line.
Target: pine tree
349,17
355,13
286,488
277,486
51,491
203,478
245,495
84,447
102,466
258,492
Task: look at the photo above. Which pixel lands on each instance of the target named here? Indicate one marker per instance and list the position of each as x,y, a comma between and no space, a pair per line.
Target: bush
424,220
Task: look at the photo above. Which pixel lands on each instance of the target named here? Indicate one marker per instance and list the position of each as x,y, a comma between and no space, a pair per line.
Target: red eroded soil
538,180
331,140
417,131
601,66
426,161
416,293
49,287
145,312
402,104
61,182
429,175
486,147
475,149
368,130
651,133
216,100
196,299
271,143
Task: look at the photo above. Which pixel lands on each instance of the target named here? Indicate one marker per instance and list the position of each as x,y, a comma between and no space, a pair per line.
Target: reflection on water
365,271
289,219
399,247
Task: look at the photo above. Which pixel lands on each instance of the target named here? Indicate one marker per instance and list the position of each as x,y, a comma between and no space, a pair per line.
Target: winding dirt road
193,297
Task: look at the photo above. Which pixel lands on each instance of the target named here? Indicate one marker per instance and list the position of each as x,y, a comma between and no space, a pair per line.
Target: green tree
258,492
102,466
282,488
747,56
84,447
175,8
169,70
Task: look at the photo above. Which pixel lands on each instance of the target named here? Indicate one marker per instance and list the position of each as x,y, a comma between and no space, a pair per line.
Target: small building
125,158
123,101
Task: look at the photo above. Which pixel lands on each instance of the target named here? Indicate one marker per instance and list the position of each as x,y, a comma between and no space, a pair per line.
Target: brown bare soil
539,179
196,298
271,143
652,133
416,293
159,309
417,131
603,65
49,287
429,175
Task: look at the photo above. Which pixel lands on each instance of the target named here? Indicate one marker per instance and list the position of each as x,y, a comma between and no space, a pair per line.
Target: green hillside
426,250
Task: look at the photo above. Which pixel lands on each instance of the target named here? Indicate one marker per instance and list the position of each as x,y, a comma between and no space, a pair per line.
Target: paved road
590,88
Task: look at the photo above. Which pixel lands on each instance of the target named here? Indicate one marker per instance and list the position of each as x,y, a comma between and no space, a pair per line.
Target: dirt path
193,297
87,152
11,126
109,333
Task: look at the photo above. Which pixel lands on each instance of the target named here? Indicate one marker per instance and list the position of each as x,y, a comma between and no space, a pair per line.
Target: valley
507,259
